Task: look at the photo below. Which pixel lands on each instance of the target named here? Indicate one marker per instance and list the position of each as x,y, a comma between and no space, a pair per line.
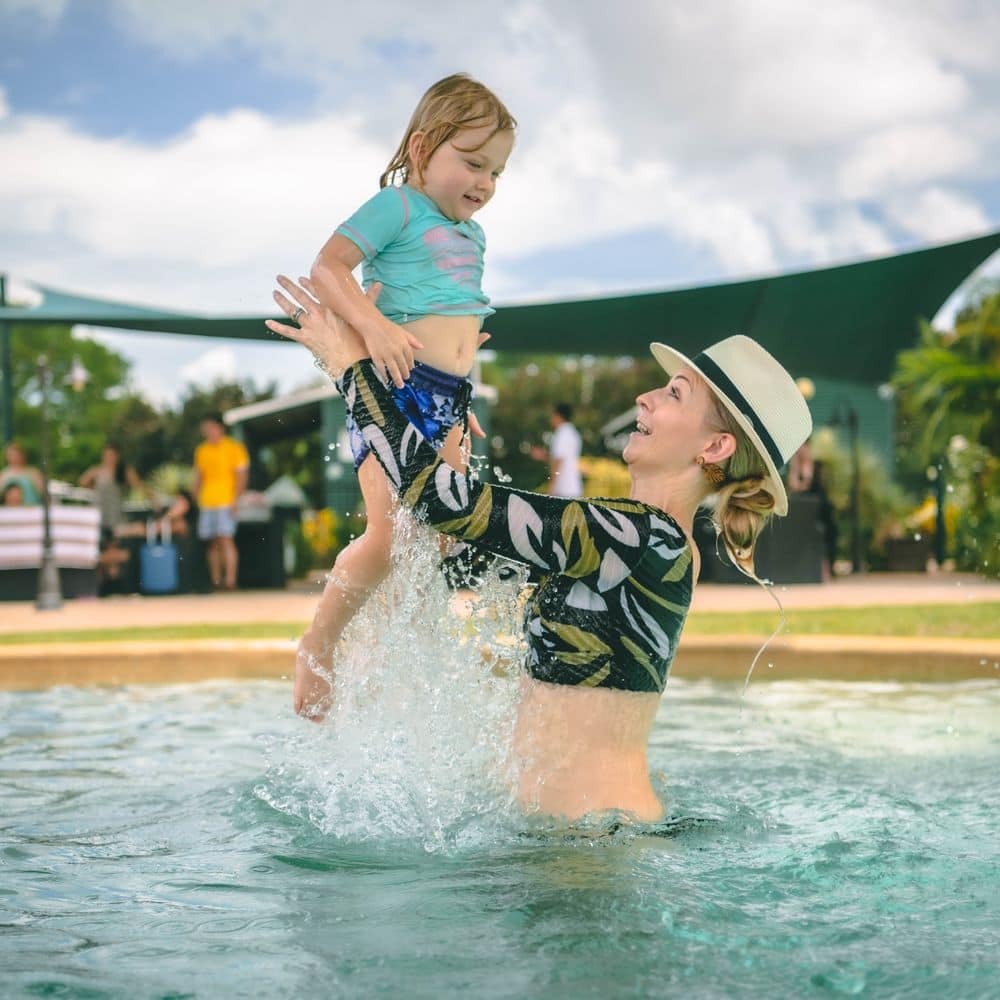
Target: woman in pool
617,575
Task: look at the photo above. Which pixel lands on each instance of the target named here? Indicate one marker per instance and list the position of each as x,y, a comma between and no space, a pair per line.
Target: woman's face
15,455
109,456
672,425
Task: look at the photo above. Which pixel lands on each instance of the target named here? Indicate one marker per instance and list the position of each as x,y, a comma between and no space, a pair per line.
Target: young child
418,240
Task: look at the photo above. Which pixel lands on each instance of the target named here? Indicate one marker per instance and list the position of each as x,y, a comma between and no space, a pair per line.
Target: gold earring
713,473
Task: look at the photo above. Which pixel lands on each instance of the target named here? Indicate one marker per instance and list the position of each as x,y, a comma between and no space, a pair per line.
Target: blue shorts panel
433,401
216,522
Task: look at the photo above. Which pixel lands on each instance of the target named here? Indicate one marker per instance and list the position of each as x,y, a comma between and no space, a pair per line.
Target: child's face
461,178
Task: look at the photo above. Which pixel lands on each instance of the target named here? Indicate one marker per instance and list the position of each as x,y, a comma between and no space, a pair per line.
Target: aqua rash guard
428,264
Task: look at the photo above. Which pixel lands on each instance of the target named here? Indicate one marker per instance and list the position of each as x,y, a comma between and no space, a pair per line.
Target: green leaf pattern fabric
616,574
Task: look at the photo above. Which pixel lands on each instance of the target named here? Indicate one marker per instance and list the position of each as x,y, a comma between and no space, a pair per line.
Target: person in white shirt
563,455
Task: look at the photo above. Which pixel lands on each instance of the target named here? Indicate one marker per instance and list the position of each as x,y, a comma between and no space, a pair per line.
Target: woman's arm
390,346
87,479
553,533
577,538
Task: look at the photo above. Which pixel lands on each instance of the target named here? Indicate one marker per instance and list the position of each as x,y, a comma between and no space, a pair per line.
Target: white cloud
214,196
845,234
906,156
709,76
723,77
215,365
204,220
769,134
938,215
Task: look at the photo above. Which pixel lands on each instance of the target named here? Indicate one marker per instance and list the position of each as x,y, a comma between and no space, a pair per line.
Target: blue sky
181,154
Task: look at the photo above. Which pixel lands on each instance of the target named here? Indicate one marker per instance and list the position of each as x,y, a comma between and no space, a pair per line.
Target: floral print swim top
617,575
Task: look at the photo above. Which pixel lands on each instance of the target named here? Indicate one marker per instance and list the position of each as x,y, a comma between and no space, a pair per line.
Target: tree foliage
948,389
106,408
182,424
79,421
598,389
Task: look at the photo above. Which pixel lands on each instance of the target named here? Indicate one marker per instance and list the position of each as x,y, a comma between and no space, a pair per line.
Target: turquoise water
189,841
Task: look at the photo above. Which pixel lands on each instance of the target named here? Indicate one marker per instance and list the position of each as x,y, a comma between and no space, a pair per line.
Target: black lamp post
936,474
847,415
49,597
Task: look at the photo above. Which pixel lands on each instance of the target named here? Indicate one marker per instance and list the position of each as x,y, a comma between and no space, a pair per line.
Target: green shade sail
845,322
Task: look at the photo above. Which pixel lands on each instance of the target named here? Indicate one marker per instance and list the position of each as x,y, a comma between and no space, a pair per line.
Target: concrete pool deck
36,665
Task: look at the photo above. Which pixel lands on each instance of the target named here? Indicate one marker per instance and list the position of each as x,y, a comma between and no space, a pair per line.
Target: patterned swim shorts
433,401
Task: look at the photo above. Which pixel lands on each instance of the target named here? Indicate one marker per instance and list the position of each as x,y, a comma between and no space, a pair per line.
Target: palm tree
950,384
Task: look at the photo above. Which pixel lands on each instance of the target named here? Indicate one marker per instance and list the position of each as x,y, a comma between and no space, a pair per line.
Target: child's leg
455,449
358,570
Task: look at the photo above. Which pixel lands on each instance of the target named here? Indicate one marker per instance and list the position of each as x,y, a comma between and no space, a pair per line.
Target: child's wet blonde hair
451,105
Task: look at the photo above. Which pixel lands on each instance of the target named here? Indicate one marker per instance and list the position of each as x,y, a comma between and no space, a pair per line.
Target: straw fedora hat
762,397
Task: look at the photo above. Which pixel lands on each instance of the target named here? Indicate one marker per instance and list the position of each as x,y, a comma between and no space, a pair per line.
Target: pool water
191,841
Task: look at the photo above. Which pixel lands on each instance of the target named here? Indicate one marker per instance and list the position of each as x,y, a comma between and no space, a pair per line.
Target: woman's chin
628,452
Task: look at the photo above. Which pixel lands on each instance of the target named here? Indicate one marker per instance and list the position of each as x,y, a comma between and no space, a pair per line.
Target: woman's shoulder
659,519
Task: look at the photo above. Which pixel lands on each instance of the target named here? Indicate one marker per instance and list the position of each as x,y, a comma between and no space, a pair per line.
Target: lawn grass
969,621
240,630
972,621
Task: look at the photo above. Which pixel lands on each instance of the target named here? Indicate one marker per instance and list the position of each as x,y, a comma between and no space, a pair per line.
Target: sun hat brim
672,361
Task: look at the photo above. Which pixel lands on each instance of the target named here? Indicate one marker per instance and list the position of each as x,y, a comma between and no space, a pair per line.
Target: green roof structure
844,322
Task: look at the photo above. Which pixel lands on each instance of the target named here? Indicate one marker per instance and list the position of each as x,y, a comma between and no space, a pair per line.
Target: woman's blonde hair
451,105
742,503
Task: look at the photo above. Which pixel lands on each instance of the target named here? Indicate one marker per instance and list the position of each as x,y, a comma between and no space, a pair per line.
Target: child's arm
390,346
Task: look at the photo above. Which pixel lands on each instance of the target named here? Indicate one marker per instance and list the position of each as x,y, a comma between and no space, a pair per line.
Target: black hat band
722,380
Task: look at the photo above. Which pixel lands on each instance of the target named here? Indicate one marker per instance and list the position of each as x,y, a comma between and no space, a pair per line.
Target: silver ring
298,314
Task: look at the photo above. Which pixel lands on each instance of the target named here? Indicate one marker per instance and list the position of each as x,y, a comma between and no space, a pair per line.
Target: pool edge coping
831,657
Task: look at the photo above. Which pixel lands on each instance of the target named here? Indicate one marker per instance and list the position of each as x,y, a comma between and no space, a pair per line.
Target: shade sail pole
6,374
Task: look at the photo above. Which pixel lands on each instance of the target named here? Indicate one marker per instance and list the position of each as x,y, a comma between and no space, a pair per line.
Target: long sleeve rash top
616,574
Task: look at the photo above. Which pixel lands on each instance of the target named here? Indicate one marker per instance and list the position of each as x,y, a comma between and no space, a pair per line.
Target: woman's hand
335,345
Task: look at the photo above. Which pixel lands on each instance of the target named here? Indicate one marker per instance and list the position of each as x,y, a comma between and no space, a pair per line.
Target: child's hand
391,348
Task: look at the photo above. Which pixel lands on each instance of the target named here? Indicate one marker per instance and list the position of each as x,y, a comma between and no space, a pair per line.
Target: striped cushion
75,536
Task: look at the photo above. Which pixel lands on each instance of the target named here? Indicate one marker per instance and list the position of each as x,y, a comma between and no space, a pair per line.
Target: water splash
416,745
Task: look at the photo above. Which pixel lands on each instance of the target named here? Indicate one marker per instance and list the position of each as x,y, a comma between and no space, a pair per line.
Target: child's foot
312,695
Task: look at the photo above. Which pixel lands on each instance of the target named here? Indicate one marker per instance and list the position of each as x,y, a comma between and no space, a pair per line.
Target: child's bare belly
449,342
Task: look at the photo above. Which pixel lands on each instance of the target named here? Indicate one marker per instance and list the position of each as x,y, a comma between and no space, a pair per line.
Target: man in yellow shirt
221,465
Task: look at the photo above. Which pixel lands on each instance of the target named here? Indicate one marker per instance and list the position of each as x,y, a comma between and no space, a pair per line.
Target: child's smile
460,176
